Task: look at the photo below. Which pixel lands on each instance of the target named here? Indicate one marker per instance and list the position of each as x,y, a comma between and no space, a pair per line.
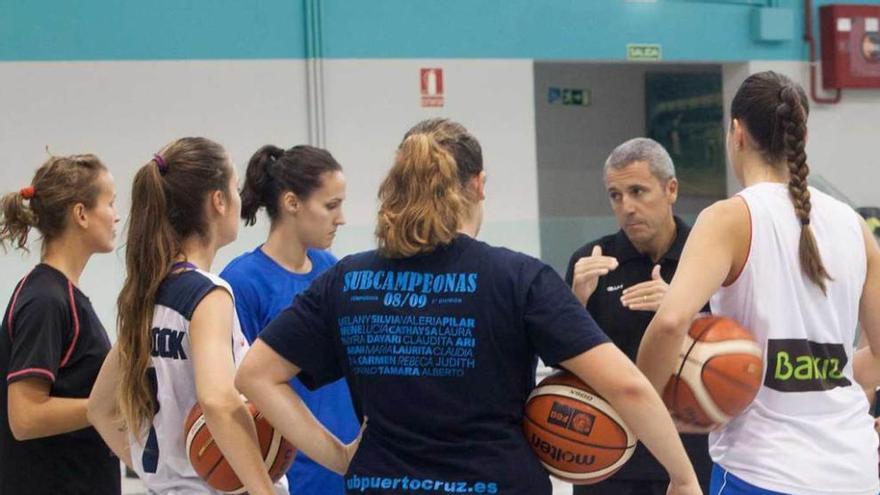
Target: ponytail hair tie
805,222
161,163
27,192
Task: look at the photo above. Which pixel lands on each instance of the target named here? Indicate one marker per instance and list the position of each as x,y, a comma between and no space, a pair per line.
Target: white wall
371,103
842,139
125,111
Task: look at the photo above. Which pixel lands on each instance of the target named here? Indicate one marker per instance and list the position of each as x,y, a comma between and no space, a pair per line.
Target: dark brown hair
422,197
774,111
273,171
167,207
59,184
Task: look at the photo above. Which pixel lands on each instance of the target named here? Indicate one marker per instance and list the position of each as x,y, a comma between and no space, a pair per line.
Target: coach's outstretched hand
646,296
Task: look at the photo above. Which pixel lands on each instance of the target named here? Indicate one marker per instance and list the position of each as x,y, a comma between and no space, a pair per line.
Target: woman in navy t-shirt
437,334
302,190
52,343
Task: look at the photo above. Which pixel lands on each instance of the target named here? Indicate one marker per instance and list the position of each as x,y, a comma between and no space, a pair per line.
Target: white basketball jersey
808,431
160,458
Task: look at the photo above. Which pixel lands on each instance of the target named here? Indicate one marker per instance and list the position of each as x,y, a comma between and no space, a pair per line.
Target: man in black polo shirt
622,278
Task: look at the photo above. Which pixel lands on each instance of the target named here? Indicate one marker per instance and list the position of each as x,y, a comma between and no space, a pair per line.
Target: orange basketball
718,373
577,436
209,463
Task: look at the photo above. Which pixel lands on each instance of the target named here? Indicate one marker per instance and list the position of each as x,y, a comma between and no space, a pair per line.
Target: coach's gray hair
642,150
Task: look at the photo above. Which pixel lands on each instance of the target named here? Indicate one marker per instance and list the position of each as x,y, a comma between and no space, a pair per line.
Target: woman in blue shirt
302,190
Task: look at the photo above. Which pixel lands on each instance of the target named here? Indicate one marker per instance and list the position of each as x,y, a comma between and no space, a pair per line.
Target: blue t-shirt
263,288
440,353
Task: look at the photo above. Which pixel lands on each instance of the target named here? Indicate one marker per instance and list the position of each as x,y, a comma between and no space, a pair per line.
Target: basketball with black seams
576,434
209,463
717,375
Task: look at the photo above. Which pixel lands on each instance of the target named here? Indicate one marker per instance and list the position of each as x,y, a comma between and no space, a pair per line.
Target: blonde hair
422,205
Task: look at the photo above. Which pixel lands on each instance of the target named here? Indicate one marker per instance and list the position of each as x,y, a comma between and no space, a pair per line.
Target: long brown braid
792,119
774,111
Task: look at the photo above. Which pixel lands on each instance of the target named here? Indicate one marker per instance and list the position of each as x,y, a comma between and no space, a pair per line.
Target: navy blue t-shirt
440,353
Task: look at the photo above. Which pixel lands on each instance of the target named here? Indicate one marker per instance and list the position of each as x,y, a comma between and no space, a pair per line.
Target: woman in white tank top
179,341
800,270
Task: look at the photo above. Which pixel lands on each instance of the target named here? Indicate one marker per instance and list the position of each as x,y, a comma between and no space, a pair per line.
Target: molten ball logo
559,454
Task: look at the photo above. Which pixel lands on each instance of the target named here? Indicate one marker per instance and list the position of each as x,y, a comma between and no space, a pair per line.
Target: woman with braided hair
799,269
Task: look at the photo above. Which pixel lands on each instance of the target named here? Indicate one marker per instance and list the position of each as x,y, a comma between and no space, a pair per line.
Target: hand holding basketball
587,271
690,428
646,296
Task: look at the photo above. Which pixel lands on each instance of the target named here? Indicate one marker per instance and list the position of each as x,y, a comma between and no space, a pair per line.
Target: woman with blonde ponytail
51,341
438,335
800,270
179,340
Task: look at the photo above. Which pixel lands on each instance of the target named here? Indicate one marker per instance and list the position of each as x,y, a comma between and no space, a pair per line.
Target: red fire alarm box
850,46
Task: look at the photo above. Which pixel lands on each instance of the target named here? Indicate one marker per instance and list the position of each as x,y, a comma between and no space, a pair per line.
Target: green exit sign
643,51
568,96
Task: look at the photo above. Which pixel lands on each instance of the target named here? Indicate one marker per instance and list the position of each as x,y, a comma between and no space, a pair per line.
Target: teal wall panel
155,29
561,29
687,30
